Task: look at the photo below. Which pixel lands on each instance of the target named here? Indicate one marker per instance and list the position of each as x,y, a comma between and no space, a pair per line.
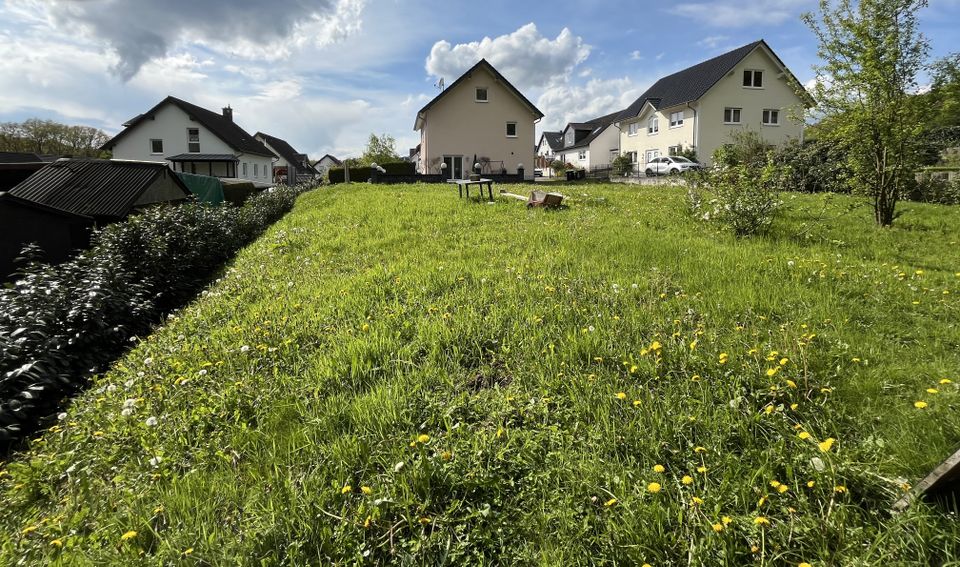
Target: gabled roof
554,140
221,126
482,64
333,159
280,147
594,133
692,83
93,187
596,127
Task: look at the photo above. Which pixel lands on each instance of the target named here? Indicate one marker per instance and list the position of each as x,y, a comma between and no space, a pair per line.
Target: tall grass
394,375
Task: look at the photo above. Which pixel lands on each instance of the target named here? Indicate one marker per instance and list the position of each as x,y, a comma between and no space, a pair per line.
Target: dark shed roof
93,187
19,157
221,126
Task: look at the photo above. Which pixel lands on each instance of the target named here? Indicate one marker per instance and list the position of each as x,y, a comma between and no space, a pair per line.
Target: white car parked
672,165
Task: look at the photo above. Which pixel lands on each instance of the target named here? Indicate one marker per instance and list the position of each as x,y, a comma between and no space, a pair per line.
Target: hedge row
364,173
61,324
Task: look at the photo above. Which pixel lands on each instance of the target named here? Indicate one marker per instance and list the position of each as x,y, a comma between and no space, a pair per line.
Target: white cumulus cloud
525,57
735,14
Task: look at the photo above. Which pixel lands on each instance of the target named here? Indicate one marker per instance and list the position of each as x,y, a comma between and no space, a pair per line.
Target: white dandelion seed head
62,415
245,348
112,388
148,361
128,383
129,403
127,412
202,372
151,421
398,467
155,461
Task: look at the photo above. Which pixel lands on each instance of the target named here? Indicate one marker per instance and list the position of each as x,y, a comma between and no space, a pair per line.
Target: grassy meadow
393,375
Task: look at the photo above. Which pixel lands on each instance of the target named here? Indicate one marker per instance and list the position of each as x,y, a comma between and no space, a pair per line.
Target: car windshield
681,160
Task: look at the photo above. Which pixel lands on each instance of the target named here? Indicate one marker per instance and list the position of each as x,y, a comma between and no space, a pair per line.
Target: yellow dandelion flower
794,406
446,455
693,345
727,520
57,543
696,501
784,361
762,501
637,403
621,395
365,327
920,404
761,521
646,565
754,549
826,444
946,381
366,522
424,520
811,484
753,351
687,480
633,369
772,371
775,483
804,435
610,502
717,528
347,489
699,449
695,378
701,469
932,391
724,357
658,468
129,535
791,384
768,410
423,438
655,346
366,490
804,564
654,487
782,488
840,489
188,551
29,529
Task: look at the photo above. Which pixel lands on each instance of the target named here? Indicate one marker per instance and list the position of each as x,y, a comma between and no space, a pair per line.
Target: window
244,169
771,117
481,94
674,150
256,170
193,140
753,79
156,146
582,155
731,115
653,125
632,156
633,128
652,155
676,119
511,129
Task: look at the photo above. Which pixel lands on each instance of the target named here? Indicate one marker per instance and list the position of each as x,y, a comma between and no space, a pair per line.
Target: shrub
335,174
936,187
622,165
813,167
60,324
745,190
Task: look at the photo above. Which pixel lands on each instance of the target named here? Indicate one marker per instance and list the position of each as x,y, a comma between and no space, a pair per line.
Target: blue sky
324,74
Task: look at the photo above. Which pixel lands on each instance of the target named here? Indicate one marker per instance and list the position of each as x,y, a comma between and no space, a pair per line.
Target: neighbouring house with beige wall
703,106
480,114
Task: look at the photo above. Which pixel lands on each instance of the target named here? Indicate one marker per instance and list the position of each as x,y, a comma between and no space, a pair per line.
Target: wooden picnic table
464,184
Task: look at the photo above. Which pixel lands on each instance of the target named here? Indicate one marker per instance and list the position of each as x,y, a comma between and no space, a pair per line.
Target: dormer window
753,79
481,94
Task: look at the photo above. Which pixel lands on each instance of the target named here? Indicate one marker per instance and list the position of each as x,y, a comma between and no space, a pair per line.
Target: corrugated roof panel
97,188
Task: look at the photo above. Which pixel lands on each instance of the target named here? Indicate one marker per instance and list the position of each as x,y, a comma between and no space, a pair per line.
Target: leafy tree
558,167
49,137
622,165
380,149
872,53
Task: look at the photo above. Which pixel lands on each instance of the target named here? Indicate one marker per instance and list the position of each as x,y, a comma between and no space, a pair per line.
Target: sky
325,74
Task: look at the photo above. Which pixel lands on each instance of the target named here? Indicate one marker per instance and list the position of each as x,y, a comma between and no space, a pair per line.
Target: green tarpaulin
207,189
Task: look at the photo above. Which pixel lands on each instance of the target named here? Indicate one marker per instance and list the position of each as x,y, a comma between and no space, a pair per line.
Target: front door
652,155
454,166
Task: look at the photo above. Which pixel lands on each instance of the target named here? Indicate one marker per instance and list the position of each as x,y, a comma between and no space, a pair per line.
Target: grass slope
393,375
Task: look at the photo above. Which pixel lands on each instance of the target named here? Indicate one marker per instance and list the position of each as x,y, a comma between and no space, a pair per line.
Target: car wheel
674,171
649,173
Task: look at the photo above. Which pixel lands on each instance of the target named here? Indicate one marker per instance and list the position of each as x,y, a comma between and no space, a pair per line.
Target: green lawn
394,375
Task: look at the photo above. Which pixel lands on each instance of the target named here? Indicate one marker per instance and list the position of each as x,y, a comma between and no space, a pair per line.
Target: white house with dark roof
590,144
548,146
324,164
290,167
703,106
194,140
480,114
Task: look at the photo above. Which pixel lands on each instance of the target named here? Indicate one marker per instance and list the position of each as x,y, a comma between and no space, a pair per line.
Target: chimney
228,113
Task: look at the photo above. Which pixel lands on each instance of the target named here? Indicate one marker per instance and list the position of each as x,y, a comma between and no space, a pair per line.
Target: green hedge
61,324
364,173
